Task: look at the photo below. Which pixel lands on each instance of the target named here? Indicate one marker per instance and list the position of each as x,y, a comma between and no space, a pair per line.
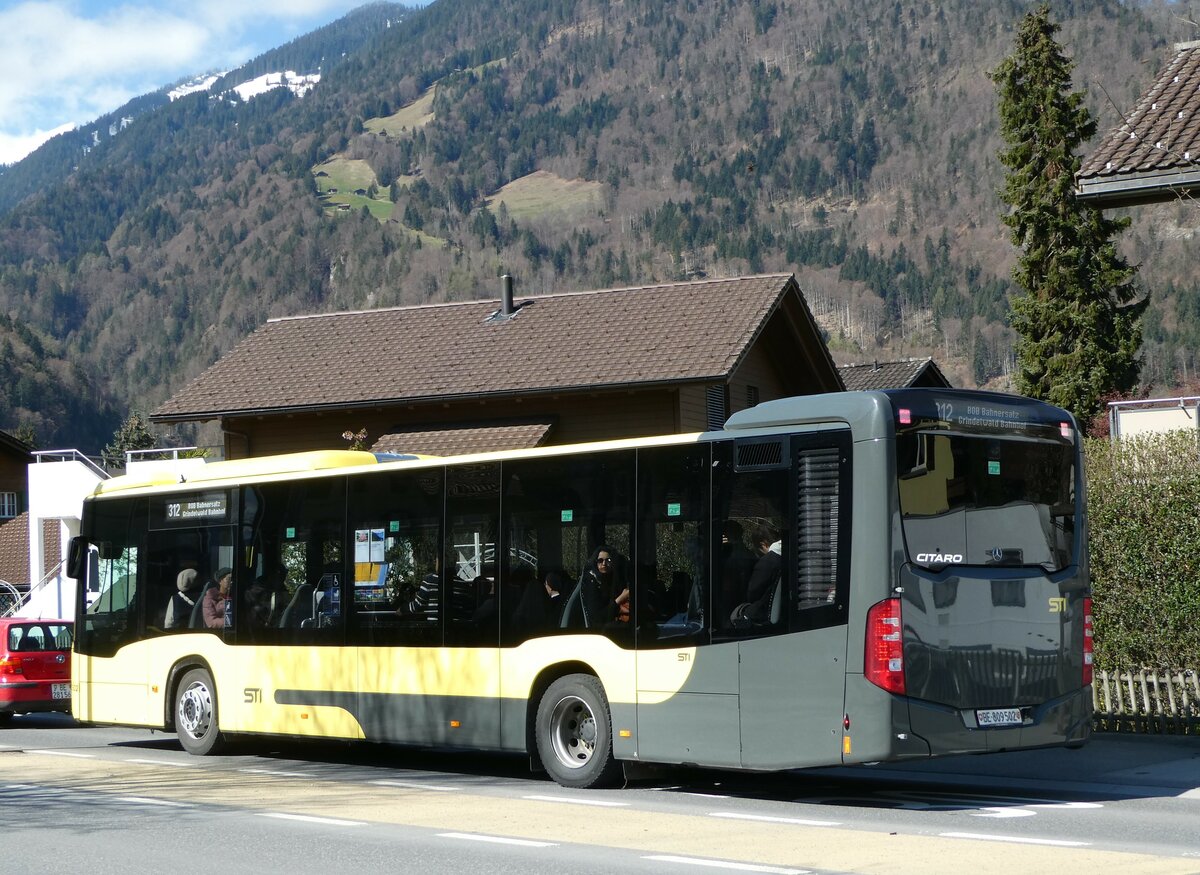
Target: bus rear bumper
1063,721
919,729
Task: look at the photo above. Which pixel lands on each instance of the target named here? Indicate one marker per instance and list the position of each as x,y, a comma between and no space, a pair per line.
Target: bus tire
573,731
196,714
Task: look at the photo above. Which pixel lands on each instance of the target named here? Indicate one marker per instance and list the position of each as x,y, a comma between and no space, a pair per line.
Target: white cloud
14,147
70,61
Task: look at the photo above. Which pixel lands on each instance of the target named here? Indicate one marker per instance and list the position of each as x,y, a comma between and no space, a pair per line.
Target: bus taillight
884,665
1087,640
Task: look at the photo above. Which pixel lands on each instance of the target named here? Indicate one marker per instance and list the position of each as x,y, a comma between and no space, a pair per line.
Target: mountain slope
851,143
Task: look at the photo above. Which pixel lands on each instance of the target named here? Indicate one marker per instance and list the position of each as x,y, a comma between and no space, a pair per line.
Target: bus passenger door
791,627
687,699
463,693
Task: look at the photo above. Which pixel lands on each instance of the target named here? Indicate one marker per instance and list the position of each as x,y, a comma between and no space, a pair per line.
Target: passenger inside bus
267,597
604,593
737,563
540,607
422,602
182,602
215,599
763,588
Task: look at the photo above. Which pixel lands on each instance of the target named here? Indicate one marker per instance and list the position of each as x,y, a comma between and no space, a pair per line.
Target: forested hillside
581,145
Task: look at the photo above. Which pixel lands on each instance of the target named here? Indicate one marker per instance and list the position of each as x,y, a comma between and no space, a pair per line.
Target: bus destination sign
208,508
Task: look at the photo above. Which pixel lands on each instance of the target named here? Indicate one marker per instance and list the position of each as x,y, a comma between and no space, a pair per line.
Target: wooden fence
1147,700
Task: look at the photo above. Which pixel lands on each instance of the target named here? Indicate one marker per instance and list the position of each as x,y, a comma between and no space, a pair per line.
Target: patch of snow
200,83
297,84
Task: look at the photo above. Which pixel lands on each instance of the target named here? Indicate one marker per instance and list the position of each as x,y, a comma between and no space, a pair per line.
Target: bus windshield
974,499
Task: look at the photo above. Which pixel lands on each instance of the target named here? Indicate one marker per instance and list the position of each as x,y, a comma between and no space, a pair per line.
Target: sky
64,63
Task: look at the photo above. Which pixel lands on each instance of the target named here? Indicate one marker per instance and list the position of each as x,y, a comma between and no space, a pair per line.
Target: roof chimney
506,296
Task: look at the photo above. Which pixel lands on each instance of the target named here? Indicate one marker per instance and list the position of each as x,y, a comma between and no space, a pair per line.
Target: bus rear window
986,500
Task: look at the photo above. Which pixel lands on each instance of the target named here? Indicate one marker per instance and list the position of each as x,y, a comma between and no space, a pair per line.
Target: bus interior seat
294,614
775,605
572,614
197,618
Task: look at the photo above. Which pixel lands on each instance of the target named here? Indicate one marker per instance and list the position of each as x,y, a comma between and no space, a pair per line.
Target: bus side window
557,514
751,538
290,588
672,597
470,600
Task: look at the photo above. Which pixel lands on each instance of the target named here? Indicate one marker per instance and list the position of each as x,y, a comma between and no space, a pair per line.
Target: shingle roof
1155,153
452,440
892,375
14,548
649,335
15,446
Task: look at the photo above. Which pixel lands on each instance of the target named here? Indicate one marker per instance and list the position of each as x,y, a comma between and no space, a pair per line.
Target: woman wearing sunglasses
604,594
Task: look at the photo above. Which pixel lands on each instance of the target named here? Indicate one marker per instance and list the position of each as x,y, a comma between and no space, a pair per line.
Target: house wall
760,370
578,418
14,475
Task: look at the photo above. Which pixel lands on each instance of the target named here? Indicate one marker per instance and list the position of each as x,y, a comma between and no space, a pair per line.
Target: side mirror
77,558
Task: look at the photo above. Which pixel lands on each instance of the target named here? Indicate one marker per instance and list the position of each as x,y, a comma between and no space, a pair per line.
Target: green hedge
1144,507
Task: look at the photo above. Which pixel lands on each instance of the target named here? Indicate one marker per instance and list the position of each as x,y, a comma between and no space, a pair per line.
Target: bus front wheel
574,733
196,713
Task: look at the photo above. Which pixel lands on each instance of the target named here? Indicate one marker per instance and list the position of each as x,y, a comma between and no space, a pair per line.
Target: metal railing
158,454
11,598
70,456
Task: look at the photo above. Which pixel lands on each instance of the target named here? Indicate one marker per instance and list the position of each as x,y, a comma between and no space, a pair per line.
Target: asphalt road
115,800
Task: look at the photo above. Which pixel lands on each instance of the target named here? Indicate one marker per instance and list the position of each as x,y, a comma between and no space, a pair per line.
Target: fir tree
133,434
1078,320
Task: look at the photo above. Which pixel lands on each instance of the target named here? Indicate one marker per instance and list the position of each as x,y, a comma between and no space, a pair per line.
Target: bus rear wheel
196,714
574,733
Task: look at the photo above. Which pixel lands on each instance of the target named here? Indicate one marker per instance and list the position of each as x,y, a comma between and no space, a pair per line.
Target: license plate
60,691
999,717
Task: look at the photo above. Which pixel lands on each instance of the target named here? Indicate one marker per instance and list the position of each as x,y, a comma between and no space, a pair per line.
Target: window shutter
715,406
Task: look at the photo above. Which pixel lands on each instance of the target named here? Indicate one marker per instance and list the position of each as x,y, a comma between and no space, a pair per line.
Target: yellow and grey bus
842,578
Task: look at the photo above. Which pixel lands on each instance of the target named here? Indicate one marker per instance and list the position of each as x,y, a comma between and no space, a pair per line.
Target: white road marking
416,785
165,763
275,773
733,815
65,753
499,840
999,812
145,800
600,803
304,818
725,864
1058,843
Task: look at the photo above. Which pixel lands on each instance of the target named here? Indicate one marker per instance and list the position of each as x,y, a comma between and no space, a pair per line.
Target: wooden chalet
515,372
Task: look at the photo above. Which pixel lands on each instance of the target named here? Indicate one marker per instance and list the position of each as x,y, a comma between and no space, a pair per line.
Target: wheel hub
195,710
573,732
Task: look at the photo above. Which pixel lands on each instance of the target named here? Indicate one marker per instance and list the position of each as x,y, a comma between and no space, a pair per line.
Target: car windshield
969,499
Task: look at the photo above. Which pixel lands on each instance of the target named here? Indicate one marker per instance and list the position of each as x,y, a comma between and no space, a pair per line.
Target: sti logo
1058,605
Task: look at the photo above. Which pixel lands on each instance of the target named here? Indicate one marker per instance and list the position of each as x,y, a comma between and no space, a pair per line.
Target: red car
35,666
